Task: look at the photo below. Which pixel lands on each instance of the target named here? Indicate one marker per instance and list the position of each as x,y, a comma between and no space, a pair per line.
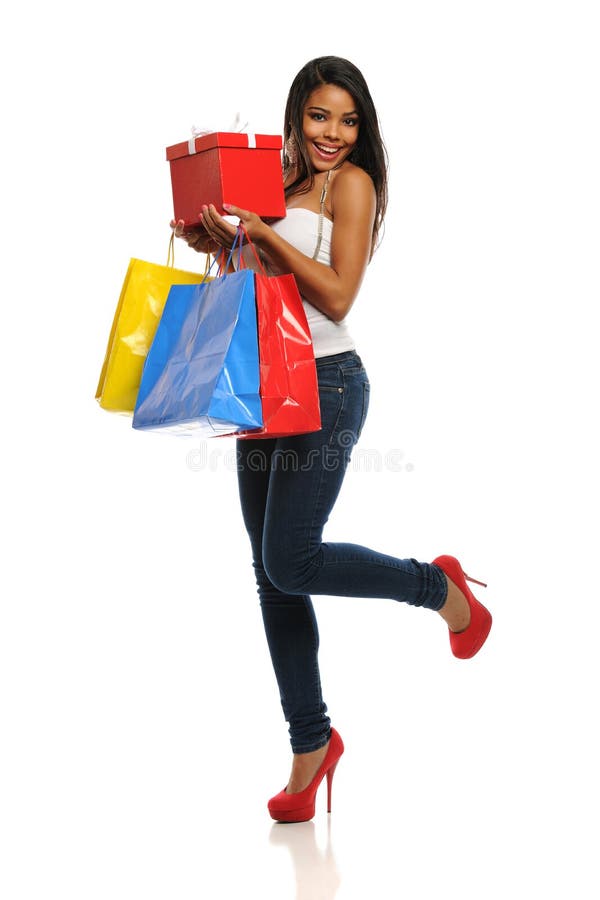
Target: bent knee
290,575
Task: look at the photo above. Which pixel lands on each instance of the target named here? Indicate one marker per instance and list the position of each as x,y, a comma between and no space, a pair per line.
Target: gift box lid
225,139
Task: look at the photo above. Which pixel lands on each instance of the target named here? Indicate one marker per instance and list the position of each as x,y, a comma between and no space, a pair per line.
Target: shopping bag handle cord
171,258
171,251
253,248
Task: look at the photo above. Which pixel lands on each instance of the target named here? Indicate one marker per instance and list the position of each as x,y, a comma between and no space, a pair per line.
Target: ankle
304,768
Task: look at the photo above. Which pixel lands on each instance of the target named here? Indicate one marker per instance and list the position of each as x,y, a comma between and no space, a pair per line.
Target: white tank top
301,229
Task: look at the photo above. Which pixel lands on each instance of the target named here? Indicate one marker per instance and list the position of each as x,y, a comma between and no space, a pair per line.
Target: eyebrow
322,109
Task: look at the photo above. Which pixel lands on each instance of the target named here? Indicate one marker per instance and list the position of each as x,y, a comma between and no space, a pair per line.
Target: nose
331,130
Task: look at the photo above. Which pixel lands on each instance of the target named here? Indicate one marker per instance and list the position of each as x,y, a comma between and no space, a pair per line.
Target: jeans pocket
330,378
331,401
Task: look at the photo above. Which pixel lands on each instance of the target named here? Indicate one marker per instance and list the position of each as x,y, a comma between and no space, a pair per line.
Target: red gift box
227,167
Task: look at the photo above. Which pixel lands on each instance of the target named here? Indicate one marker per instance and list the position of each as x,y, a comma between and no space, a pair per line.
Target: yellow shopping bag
143,296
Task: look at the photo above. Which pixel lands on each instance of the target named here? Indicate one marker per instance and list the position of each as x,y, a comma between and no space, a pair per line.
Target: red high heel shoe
300,807
465,644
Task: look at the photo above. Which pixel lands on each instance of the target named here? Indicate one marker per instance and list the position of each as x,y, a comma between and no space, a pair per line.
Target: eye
318,117
351,122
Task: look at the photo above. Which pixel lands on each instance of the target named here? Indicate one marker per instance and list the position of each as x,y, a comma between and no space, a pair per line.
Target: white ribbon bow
236,127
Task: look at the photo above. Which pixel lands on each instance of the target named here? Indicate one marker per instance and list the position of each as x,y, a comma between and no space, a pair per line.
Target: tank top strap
321,215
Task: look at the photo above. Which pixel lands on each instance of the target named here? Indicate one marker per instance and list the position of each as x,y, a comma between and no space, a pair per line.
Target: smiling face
330,126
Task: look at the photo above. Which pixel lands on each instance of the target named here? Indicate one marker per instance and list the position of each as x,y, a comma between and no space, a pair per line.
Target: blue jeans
288,487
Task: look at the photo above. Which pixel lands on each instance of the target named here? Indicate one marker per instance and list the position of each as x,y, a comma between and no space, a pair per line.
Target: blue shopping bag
202,371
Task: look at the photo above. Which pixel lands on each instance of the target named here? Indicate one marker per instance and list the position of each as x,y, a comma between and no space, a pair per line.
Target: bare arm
332,289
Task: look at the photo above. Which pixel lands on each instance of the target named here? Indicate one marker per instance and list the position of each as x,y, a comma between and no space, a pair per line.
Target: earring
291,150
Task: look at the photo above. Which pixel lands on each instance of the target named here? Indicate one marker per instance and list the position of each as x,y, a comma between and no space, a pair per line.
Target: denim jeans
288,487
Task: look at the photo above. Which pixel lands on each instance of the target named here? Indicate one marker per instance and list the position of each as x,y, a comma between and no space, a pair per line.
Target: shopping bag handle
171,257
237,242
244,233
219,257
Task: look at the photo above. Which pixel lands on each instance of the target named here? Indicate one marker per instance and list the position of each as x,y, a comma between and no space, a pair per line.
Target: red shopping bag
289,389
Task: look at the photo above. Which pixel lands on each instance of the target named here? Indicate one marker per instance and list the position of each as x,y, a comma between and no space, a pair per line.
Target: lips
325,151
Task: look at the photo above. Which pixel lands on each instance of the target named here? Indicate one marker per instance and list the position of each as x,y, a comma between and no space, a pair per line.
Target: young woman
335,179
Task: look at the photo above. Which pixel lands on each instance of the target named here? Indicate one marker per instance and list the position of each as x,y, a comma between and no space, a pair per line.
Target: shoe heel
474,580
330,773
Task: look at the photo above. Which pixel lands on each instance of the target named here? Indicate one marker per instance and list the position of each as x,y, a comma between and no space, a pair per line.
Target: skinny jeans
287,488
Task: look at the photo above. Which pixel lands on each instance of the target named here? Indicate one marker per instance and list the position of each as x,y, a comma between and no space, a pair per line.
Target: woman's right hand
196,237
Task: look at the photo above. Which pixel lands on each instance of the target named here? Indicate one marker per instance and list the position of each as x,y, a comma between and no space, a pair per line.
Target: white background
142,733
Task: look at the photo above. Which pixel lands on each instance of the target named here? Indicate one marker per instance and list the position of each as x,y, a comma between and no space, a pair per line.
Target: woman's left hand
224,232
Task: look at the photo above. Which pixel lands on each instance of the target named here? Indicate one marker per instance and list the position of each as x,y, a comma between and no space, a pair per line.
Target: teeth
327,149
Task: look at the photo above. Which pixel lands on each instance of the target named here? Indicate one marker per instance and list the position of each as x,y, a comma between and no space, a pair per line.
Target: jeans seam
312,524
313,564
365,402
342,394
316,678
316,506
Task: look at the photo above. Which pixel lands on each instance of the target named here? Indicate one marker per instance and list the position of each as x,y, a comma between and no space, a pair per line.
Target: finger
236,211
216,225
211,218
207,220
215,217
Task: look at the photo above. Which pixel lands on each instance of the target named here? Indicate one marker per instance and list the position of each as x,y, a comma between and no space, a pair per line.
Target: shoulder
351,178
353,193
352,185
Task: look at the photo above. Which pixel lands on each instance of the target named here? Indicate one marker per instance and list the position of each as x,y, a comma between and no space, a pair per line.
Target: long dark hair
369,153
